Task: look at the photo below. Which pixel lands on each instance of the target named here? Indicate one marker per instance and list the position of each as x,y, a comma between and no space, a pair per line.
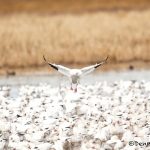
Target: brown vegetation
57,29
59,6
84,38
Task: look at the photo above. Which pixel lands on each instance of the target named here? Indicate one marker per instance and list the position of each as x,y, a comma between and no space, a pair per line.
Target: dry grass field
59,6
73,38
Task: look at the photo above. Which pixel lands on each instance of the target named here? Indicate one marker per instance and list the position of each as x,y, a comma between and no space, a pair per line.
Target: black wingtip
106,59
52,65
44,58
103,62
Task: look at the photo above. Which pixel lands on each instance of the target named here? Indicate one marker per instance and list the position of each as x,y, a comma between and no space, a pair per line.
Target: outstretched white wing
89,69
64,70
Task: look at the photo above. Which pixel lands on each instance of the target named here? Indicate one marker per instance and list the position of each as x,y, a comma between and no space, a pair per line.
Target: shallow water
58,80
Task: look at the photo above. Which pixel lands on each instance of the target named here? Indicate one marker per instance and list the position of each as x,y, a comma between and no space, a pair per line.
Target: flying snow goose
75,74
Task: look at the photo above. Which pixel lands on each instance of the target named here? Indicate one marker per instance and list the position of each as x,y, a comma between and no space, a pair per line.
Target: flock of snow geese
101,116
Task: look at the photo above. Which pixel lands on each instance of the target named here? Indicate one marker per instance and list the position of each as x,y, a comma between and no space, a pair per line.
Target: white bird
75,74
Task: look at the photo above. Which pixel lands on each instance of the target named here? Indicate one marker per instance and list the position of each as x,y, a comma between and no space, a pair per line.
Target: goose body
75,74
